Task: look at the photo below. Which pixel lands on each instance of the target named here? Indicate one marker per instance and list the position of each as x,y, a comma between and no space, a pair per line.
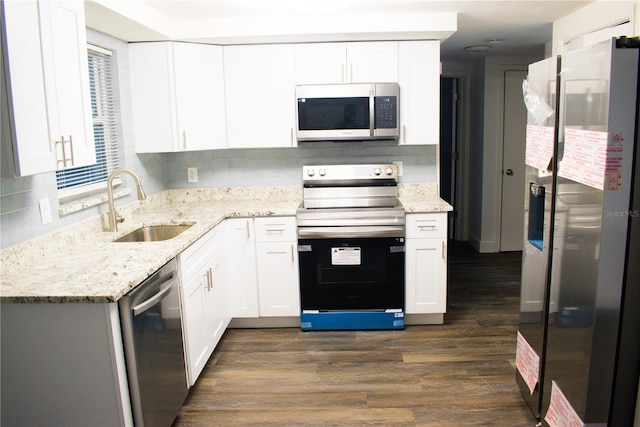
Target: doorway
449,143
513,169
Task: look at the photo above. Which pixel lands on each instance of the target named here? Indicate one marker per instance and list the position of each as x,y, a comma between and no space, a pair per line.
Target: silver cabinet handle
444,250
61,161
248,231
404,134
73,162
422,227
65,161
184,139
274,230
293,259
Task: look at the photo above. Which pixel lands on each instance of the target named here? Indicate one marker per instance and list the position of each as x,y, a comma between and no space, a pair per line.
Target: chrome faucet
114,217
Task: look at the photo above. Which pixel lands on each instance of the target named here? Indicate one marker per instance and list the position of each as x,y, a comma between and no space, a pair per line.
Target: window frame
108,119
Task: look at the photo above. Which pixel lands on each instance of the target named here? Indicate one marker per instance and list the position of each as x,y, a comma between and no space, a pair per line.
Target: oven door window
352,274
333,113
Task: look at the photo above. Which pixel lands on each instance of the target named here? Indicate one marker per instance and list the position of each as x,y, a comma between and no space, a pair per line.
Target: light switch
45,211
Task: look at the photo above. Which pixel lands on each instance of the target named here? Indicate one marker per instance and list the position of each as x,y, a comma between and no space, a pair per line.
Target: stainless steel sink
154,233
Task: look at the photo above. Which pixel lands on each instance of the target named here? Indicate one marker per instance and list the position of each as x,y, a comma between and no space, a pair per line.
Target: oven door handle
350,232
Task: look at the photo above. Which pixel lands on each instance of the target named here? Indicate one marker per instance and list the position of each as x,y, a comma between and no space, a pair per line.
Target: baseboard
424,319
265,322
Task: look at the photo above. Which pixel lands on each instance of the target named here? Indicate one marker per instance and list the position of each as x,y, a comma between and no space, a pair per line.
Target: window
83,179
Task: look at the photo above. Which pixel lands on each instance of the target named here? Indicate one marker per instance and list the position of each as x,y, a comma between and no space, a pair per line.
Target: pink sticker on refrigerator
539,147
560,412
527,363
593,158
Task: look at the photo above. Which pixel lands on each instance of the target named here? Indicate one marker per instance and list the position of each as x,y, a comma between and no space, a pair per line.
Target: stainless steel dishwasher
152,336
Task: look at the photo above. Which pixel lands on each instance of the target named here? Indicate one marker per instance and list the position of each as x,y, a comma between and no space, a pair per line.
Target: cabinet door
177,97
152,97
278,281
259,91
66,73
196,335
426,281
199,95
372,62
202,299
419,78
242,280
24,121
215,316
320,63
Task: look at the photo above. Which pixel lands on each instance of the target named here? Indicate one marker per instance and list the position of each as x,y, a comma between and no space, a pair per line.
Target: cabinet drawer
199,253
431,225
275,229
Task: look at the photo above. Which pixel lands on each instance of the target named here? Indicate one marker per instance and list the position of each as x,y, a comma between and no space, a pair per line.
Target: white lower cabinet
426,263
242,279
203,298
277,262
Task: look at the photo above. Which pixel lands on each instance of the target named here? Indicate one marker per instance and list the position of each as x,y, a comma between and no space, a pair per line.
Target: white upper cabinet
47,86
319,63
357,62
66,72
372,62
177,95
259,83
419,78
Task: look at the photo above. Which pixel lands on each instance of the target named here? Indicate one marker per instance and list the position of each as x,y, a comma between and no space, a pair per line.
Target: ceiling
521,27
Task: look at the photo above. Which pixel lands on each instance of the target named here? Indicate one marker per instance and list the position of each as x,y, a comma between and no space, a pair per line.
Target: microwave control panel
386,108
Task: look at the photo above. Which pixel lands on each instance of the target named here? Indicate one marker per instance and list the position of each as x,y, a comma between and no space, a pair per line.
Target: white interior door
514,130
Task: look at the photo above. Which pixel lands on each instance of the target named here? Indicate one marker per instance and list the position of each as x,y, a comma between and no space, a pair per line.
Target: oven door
350,274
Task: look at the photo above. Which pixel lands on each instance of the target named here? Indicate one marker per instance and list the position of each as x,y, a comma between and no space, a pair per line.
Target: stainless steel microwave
352,111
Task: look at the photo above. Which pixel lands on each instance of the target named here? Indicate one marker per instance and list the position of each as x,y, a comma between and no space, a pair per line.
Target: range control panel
324,173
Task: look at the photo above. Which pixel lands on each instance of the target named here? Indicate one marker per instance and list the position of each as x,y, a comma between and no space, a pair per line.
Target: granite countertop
82,264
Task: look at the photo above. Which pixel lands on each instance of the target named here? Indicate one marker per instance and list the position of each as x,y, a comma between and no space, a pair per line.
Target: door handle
509,172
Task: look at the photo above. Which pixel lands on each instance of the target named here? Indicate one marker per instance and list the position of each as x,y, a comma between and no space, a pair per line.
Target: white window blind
104,126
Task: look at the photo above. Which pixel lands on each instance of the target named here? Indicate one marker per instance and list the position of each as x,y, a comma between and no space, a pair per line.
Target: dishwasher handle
164,291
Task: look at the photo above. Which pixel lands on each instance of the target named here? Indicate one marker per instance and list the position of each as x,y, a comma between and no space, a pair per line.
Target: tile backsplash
19,198
283,166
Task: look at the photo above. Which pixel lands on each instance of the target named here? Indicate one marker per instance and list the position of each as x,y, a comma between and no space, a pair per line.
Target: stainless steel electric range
351,248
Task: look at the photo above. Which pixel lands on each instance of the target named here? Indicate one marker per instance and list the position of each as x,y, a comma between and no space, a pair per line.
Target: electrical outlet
192,174
398,164
45,211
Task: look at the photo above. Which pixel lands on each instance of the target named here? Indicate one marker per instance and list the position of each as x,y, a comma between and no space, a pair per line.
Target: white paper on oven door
345,256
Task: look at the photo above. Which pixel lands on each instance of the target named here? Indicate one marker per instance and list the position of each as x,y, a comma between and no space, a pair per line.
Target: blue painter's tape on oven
313,320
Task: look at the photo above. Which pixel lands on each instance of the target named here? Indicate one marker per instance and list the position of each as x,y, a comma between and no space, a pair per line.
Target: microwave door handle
372,113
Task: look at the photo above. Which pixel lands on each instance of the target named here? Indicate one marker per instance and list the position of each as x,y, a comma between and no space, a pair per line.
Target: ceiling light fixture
478,49
494,42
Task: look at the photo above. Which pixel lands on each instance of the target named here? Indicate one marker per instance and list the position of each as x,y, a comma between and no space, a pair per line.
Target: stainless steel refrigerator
578,350
540,94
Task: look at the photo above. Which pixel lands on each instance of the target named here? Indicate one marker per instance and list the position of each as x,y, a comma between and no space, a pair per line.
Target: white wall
581,25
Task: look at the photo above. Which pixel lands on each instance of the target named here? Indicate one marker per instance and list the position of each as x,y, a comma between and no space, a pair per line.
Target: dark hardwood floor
457,374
